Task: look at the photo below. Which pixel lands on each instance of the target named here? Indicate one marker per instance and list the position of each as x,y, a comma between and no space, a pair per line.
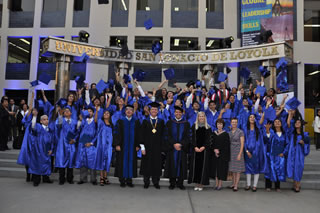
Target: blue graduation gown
296,154
86,155
24,158
191,116
243,118
104,147
257,163
40,161
211,119
276,145
65,153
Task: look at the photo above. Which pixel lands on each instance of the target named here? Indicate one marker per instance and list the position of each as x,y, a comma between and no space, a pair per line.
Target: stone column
62,76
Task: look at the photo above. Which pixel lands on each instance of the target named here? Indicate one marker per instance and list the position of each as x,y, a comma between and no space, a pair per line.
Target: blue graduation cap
71,135
45,78
293,103
84,57
245,72
62,102
169,74
211,91
101,85
198,83
199,92
130,87
282,80
227,114
148,24
222,77
85,113
156,48
126,78
85,139
261,90
79,80
264,71
281,63
270,114
39,104
139,75
34,83
111,83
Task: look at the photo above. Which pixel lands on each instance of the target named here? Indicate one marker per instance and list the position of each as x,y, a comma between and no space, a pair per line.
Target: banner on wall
258,16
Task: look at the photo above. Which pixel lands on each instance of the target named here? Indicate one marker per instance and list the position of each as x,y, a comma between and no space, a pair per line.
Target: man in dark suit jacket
4,123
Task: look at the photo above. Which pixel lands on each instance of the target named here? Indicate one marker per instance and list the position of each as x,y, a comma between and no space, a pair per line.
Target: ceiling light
312,25
25,41
189,42
160,41
176,9
176,42
124,5
147,8
210,43
315,72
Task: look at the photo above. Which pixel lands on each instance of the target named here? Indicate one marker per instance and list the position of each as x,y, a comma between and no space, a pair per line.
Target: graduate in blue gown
66,128
86,152
40,150
244,113
104,147
74,106
255,156
276,152
212,115
299,147
126,143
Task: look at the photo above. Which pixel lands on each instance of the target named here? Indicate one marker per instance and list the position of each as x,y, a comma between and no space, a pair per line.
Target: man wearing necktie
152,137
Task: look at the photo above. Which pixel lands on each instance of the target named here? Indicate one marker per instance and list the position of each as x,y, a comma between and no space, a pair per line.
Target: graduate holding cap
66,129
127,145
152,140
178,147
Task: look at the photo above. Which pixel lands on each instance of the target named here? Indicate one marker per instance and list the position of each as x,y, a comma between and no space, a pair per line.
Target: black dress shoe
35,184
182,187
122,185
81,182
171,187
28,178
94,183
130,185
61,183
157,186
47,181
71,182
146,186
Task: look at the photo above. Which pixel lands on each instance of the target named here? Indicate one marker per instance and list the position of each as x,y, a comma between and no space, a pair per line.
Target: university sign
109,54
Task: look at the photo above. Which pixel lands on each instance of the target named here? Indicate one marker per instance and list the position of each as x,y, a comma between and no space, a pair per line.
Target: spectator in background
316,126
13,133
4,123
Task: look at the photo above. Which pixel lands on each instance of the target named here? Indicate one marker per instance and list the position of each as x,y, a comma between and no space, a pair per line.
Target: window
119,15
21,13
153,72
115,41
149,9
18,61
17,95
81,13
53,13
145,43
312,87
213,43
312,20
214,14
184,13
183,43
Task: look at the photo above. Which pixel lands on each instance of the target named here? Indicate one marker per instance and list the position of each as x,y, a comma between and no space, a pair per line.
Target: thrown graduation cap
156,48
293,103
130,87
71,135
79,80
101,85
84,57
222,77
62,102
282,80
126,78
264,71
154,104
261,90
45,78
169,73
199,92
211,91
39,104
270,114
281,63
34,83
139,75
111,83
245,72
148,24
198,83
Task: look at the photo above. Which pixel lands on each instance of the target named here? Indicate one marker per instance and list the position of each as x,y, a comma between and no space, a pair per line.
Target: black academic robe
127,137
176,161
151,164
199,165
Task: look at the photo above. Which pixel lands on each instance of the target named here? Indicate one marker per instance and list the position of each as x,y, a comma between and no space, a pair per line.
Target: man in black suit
4,123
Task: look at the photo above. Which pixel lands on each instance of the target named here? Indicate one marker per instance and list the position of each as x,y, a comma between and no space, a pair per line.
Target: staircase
311,176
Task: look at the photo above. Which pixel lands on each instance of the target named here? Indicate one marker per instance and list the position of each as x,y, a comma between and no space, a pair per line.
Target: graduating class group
194,134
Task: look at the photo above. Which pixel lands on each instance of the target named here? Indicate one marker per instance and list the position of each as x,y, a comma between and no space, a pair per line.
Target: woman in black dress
220,144
201,132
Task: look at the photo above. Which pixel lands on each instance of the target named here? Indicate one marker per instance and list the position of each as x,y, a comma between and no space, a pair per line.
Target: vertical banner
258,16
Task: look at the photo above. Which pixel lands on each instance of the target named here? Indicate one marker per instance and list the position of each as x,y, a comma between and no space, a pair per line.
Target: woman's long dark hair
295,133
281,128
255,127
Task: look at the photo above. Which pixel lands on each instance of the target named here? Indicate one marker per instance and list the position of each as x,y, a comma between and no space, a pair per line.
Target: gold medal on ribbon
154,131
154,126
